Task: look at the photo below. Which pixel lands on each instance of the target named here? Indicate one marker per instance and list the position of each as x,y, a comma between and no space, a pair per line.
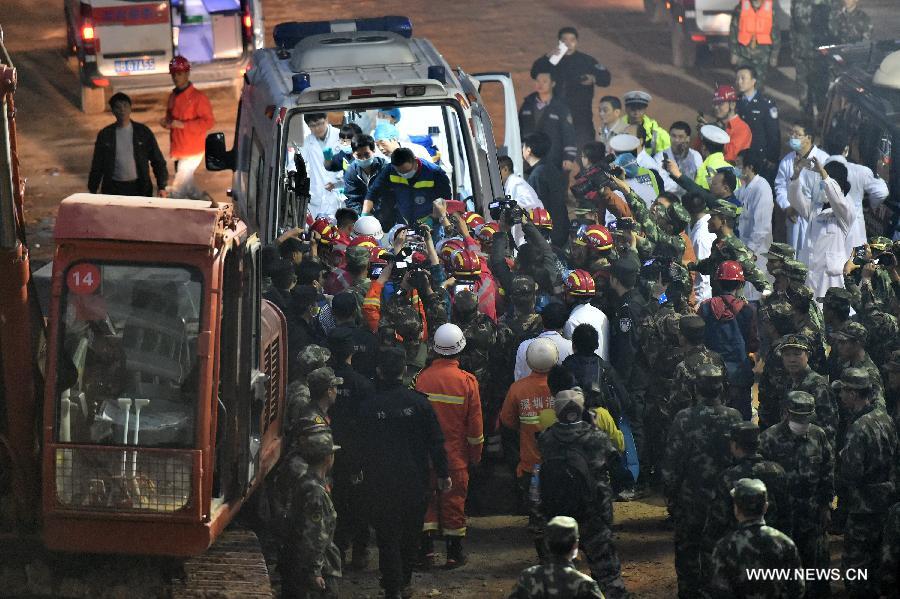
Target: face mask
798,428
408,174
366,163
385,121
795,144
628,163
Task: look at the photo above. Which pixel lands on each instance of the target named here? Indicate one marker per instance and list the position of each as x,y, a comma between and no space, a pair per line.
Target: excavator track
233,568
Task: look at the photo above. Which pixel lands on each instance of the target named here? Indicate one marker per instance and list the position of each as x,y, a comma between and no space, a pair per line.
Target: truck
144,409
348,70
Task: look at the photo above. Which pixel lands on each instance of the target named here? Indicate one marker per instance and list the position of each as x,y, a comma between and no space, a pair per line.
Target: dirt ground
56,142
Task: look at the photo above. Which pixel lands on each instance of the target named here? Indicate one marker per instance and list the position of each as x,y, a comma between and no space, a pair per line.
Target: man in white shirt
755,220
323,184
518,189
688,159
801,143
579,292
553,318
702,240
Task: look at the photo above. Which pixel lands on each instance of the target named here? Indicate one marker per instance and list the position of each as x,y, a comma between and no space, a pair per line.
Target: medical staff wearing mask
362,171
643,178
801,147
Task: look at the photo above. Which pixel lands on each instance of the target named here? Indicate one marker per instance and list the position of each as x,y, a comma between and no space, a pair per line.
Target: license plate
135,65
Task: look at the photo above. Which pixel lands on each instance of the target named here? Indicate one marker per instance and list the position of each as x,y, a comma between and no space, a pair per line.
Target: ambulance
126,45
350,71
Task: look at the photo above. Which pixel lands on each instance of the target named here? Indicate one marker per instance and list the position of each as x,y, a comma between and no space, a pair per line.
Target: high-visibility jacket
755,23
191,107
521,411
411,199
656,139
713,161
454,397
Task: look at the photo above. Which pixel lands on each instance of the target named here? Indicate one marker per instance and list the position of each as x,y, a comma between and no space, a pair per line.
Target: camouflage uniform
868,469
753,545
854,331
808,461
684,381
885,335
559,577
877,294
658,225
890,555
756,55
849,27
401,325
308,359
731,248
697,452
809,27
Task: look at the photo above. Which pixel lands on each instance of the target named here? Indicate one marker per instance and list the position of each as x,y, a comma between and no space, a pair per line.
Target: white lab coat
693,158
862,182
796,232
562,344
588,314
321,200
755,224
525,196
702,240
825,251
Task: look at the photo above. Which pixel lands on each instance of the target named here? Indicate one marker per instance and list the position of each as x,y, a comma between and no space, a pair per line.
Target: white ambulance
126,45
348,70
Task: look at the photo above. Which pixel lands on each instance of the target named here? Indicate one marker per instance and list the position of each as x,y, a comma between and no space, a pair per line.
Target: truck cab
348,70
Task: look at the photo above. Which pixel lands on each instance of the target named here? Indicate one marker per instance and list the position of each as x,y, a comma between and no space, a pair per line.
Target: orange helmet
473,219
446,247
179,64
730,270
486,231
596,237
466,264
581,283
541,218
366,241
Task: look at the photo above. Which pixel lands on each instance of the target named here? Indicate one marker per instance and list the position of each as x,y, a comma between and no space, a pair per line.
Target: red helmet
378,254
179,64
341,238
366,241
596,237
541,218
320,224
580,282
446,247
725,93
466,264
485,232
730,270
473,219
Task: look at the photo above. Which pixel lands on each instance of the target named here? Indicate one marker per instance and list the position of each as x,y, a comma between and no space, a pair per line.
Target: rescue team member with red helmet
456,402
580,290
724,103
731,331
188,117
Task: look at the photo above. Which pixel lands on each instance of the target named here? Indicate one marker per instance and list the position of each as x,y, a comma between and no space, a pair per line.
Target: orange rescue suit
191,107
755,24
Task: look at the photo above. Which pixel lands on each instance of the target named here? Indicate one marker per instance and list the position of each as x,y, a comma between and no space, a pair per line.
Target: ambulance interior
207,30
435,127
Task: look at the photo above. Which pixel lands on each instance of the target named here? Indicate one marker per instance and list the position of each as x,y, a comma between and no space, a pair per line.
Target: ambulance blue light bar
288,35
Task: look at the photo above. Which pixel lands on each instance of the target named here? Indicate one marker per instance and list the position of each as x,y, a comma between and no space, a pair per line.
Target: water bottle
534,491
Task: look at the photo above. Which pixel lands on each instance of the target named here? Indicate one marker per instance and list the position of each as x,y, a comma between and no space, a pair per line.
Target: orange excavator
142,411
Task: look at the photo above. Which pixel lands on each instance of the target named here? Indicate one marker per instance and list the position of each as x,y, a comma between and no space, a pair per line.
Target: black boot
455,555
426,552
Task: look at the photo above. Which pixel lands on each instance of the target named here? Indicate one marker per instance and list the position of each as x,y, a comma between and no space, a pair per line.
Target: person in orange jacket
724,104
188,117
454,396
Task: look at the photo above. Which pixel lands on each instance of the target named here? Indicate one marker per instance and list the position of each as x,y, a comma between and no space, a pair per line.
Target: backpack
566,485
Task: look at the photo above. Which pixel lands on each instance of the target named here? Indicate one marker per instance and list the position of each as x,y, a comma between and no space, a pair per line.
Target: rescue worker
808,459
696,452
802,150
713,141
654,138
362,171
573,476
760,113
402,443
407,188
751,548
724,102
754,37
850,24
188,117
559,577
544,112
580,290
867,476
694,353
456,402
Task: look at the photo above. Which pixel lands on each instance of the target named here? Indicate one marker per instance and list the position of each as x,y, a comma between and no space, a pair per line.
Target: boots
455,555
426,552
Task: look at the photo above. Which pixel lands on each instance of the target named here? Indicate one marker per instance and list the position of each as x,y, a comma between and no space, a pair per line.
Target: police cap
800,403
717,135
624,142
637,98
749,495
853,378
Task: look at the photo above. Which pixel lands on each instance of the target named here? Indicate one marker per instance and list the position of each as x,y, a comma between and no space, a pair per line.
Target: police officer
867,474
559,577
760,112
753,547
542,111
803,450
654,137
697,452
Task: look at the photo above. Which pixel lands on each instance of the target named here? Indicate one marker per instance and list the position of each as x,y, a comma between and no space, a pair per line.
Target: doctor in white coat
323,184
802,146
829,211
755,220
518,189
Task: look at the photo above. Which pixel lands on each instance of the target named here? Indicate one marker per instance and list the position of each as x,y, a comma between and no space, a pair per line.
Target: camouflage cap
853,378
798,341
837,297
880,242
893,365
465,301
794,270
800,403
799,295
522,285
562,530
709,373
781,315
407,322
724,208
320,379
311,357
691,323
678,216
779,251
745,433
749,494
316,446
851,331
358,256
883,325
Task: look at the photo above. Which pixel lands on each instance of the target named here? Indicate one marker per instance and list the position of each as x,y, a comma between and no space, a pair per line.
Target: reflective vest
714,162
755,24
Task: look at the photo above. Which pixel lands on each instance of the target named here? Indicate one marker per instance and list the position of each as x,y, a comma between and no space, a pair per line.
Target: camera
375,271
500,207
591,182
660,267
621,225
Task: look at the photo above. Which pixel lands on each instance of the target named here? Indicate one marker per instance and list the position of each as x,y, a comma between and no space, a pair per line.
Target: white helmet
449,340
541,355
368,225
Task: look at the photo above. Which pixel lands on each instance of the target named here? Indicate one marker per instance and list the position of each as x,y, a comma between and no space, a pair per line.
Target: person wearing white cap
655,138
644,180
714,140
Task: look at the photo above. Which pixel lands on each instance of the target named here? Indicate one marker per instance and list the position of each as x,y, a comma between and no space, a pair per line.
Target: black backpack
566,485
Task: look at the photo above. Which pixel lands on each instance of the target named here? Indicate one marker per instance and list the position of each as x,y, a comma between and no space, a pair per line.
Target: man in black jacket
401,440
549,182
122,153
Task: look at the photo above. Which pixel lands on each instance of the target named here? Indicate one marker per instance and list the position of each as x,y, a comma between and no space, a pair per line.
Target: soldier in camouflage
358,259
697,452
850,24
759,56
868,471
305,361
559,577
309,561
890,555
313,419
694,353
884,337
809,30
851,347
662,223
748,463
753,546
891,370
868,281
728,247
803,450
